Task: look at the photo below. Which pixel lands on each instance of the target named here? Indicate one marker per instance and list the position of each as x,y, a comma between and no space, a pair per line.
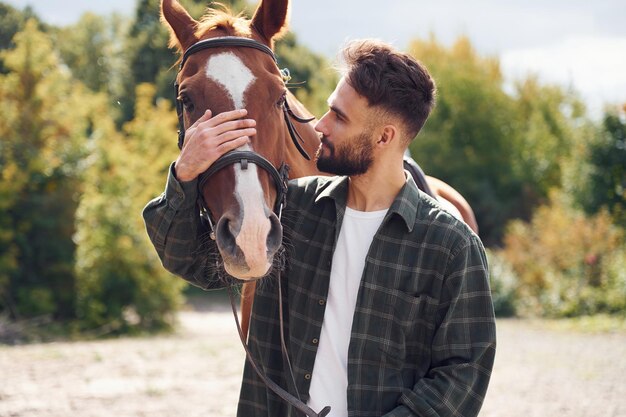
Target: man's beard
352,157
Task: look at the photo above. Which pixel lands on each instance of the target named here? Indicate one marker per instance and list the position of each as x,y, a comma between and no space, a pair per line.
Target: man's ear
389,134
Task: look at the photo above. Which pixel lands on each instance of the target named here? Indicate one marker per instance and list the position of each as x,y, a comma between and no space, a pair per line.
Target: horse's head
221,72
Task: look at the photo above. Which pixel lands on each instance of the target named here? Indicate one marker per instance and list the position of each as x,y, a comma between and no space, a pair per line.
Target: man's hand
209,138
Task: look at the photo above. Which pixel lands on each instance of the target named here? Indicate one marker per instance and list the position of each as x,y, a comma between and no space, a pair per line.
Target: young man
390,312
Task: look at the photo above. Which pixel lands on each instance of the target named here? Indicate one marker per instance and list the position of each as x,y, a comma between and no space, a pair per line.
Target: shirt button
322,302
307,376
315,341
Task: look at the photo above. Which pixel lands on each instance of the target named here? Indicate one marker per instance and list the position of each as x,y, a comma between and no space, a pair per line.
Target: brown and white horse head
240,197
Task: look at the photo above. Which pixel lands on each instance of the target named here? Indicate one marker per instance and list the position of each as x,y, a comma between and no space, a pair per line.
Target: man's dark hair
391,80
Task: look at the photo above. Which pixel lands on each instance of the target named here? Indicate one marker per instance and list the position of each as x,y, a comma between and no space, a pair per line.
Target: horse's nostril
275,236
225,236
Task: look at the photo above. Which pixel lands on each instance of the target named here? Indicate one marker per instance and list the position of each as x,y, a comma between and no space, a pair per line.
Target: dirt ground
196,372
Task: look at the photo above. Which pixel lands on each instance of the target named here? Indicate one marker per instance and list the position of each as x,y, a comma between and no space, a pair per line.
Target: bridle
280,178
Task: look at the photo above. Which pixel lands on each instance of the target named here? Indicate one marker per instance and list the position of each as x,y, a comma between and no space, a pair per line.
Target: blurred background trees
45,122
120,281
606,184
87,131
503,151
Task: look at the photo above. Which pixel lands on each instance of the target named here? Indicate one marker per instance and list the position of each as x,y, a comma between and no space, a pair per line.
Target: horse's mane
215,19
225,20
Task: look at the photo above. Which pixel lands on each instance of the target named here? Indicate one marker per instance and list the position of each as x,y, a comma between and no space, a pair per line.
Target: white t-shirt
329,380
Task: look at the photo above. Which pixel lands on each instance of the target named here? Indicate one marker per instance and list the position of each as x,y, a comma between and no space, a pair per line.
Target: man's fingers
189,132
234,134
232,126
226,117
206,116
233,144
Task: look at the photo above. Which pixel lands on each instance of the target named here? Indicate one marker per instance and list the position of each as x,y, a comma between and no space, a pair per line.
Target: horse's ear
182,26
270,19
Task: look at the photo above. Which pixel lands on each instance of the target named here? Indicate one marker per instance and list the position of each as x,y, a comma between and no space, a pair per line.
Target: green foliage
93,50
567,264
606,186
470,140
45,117
502,152
121,284
551,122
149,58
13,21
84,47
311,74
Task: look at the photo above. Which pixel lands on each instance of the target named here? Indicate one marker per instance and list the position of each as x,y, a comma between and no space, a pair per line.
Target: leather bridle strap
295,136
226,42
277,389
280,177
242,157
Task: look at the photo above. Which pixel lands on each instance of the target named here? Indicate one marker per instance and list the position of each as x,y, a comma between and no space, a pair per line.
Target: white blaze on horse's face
227,70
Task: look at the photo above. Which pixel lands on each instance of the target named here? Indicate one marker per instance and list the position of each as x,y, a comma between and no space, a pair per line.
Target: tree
92,49
12,21
504,152
470,139
312,77
45,117
607,181
121,283
551,122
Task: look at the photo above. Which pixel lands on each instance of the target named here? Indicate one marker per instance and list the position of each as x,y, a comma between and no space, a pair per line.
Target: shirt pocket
411,330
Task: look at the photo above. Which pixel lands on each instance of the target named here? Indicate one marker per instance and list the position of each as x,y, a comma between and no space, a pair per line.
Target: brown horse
223,75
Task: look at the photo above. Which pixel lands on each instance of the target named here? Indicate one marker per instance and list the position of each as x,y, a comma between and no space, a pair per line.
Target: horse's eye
187,103
281,101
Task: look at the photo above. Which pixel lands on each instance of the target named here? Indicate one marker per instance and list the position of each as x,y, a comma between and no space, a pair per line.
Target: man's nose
321,125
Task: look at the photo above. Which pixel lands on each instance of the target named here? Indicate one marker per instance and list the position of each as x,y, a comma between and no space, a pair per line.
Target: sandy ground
196,372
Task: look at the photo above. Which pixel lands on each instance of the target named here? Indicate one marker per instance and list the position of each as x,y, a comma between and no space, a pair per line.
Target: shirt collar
337,189
404,205
407,202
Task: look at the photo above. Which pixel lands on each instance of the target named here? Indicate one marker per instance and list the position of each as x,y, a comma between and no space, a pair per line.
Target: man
390,311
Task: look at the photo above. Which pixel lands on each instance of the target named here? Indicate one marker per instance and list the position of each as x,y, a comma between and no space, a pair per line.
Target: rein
280,178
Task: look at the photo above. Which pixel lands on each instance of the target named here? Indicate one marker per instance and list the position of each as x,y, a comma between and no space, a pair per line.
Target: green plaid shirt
423,333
